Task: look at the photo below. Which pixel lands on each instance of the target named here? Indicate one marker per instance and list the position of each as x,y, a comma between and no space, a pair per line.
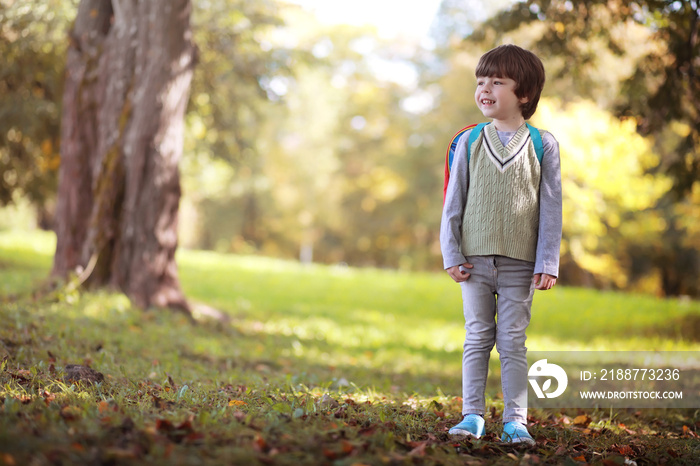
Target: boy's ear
524,100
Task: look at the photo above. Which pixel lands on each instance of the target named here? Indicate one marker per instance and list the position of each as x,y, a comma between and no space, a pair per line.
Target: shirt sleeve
453,210
549,235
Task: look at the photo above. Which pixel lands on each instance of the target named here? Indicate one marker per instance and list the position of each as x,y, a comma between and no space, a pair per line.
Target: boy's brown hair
520,65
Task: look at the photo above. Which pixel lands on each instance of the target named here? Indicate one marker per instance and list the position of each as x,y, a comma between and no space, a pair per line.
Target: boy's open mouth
487,102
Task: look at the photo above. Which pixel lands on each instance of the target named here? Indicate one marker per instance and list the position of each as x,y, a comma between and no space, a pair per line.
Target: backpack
534,135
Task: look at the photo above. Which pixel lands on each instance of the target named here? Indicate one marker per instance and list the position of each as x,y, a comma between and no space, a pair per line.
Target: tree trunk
128,74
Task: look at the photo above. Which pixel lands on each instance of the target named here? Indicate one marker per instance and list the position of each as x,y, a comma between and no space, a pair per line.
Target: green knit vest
501,216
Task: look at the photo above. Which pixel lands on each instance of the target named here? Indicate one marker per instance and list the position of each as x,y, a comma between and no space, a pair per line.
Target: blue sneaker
472,426
516,432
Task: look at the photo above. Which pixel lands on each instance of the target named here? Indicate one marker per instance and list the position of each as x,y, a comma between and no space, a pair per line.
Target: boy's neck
512,124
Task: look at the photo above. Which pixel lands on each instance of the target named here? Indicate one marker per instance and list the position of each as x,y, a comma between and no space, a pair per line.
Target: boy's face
496,98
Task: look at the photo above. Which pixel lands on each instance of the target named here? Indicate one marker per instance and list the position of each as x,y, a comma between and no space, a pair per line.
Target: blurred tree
32,46
608,196
332,105
238,81
128,75
325,160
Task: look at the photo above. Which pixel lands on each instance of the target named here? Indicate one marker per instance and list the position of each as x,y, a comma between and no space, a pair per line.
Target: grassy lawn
318,365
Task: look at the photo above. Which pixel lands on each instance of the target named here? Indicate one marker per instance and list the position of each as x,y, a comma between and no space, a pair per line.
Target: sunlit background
316,130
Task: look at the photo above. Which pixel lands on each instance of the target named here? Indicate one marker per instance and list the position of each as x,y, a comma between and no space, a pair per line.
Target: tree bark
128,73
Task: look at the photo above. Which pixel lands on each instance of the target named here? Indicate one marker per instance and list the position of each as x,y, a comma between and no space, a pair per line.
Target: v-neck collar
504,157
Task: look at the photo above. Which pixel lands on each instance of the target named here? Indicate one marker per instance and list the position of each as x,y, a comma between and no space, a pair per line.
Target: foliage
336,365
234,76
329,164
32,43
608,194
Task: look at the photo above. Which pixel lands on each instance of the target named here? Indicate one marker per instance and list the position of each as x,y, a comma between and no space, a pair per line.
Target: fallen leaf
418,450
186,425
582,420
347,447
237,403
70,413
160,403
625,450
369,430
171,382
48,397
22,376
183,431
259,443
328,402
8,459
78,373
580,458
164,426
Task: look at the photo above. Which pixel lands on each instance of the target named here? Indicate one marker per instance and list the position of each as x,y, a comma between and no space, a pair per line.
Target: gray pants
499,288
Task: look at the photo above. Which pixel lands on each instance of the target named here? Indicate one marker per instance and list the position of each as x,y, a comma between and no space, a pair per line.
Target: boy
500,234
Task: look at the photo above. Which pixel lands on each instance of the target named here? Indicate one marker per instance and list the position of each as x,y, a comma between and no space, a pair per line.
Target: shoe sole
462,432
528,441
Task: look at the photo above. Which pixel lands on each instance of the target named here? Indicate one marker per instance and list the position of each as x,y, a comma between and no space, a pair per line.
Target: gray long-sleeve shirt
550,224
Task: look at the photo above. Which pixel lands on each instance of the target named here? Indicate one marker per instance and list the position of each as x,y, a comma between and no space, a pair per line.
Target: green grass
384,345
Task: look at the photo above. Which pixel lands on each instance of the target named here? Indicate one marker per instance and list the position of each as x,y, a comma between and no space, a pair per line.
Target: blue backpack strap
472,138
536,141
453,146
450,156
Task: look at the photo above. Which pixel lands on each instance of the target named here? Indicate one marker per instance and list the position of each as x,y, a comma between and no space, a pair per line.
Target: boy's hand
458,274
544,281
